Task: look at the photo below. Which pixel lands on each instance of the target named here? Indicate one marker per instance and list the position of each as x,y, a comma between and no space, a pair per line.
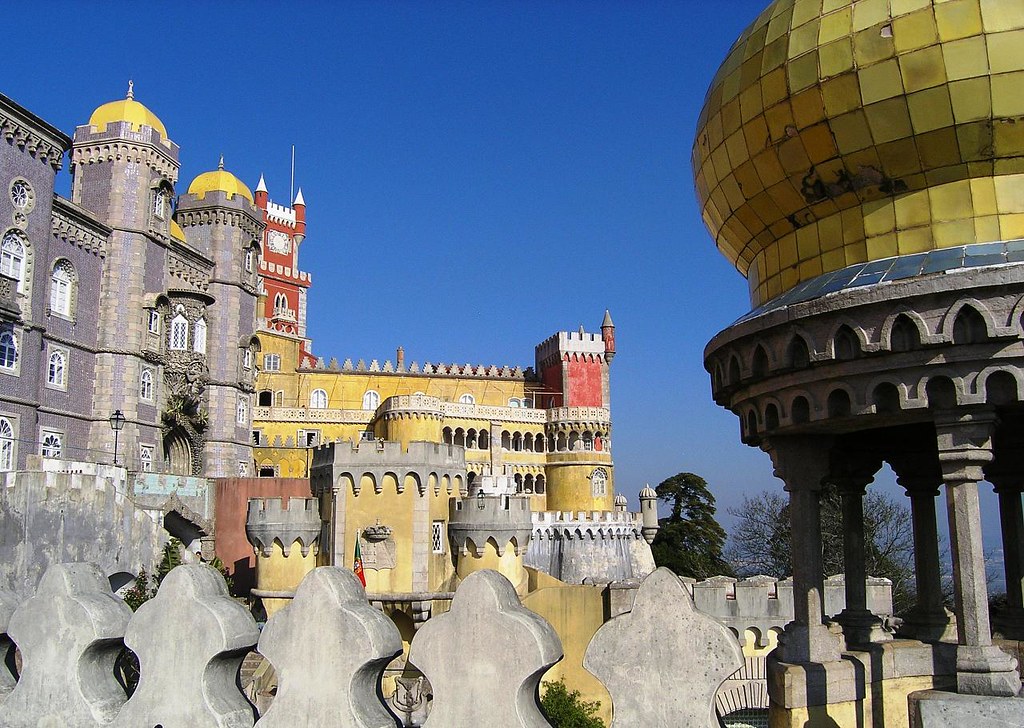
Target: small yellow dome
176,232
127,109
219,180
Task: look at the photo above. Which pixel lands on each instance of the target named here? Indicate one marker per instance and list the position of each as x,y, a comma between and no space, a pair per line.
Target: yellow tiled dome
870,130
219,180
127,109
176,231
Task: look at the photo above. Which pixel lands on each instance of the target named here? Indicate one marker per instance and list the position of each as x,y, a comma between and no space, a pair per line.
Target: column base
986,670
1008,623
928,625
862,627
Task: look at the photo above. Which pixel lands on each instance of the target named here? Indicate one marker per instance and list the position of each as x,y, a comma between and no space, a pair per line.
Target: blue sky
478,175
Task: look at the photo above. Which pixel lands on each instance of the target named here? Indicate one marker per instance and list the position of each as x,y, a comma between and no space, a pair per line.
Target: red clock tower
283,285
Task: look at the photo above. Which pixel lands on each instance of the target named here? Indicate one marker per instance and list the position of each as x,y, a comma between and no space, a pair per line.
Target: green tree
565,708
759,543
690,541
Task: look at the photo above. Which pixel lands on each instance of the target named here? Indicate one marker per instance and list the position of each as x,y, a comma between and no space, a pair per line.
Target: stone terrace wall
661,663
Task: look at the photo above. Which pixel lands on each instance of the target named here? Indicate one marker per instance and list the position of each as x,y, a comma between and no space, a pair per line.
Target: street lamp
116,421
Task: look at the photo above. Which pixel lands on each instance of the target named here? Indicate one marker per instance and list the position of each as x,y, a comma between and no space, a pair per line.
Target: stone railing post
965,446
69,635
190,639
484,658
664,661
330,648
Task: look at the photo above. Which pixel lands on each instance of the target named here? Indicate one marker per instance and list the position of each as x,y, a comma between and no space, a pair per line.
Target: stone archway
177,452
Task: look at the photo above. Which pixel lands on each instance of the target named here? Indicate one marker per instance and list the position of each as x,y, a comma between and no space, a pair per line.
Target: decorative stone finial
664,661
131,90
69,635
497,637
329,635
220,164
191,639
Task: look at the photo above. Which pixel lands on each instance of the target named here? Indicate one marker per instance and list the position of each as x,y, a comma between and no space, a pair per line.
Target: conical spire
607,319
261,186
298,199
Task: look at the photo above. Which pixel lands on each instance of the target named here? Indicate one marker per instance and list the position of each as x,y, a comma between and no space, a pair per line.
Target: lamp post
116,421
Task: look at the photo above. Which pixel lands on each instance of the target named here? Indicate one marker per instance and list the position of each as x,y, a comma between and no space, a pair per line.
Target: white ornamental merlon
663,647
281,213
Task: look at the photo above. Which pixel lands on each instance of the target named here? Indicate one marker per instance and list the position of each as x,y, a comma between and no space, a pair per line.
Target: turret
285,538
608,335
649,512
491,529
300,217
261,194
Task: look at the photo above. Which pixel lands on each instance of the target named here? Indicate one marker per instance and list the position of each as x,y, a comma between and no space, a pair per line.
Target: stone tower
124,169
224,225
573,367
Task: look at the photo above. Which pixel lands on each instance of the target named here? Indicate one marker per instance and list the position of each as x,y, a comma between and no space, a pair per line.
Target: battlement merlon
346,454
569,342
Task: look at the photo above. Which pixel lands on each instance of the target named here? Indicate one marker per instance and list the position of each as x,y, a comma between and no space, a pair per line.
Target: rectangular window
272,362
311,438
367,436
242,412
257,437
243,469
437,536
153,322
247,359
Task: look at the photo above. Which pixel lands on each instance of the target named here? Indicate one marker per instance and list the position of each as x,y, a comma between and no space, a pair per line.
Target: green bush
565,709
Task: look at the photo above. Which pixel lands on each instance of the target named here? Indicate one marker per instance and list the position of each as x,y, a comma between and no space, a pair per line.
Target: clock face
278,242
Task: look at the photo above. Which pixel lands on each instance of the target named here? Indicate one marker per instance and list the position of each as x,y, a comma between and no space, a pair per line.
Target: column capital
852,471
801,462
964,441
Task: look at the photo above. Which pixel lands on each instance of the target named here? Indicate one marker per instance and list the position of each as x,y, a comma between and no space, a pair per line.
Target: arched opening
797,356
177,453
734,370
751,423
801,411
538,486
265,398
941,393
759,366
483,440
904,336
1000,388
969,327
886,398
771,417
846,345
839,403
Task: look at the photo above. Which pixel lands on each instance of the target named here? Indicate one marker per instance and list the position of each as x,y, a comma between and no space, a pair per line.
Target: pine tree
689,541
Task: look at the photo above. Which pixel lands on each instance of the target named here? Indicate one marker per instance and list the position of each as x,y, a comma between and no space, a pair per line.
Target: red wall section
551,377
232,506
584,384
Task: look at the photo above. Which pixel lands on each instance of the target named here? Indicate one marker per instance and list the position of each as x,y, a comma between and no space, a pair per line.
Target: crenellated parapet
411,406
349,464
570,343
216,208
503,518
120,142
587,525
478,371
274,519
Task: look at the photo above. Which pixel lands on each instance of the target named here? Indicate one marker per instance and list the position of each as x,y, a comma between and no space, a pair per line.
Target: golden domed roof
219,180
176,231
871,130
127,109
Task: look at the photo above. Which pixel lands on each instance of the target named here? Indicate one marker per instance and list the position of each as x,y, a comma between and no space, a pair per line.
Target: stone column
851,473
965,446
920,475
1006,473
802,463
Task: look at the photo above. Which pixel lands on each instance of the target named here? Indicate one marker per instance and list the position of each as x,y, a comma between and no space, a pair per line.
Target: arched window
467,399
8,349
52,445
12,258
969,327
515,402
179,332
56,369
62,284
265,398
199,338
146,385
280,303
146,458
846,345
160,204
318,399
599,482
904,336
371,400
6,444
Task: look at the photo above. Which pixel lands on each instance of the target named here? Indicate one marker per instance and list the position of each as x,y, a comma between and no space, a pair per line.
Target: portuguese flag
357,563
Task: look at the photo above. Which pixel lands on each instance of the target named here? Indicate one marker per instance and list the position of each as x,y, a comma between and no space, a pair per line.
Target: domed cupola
129,110
848,137
219,180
